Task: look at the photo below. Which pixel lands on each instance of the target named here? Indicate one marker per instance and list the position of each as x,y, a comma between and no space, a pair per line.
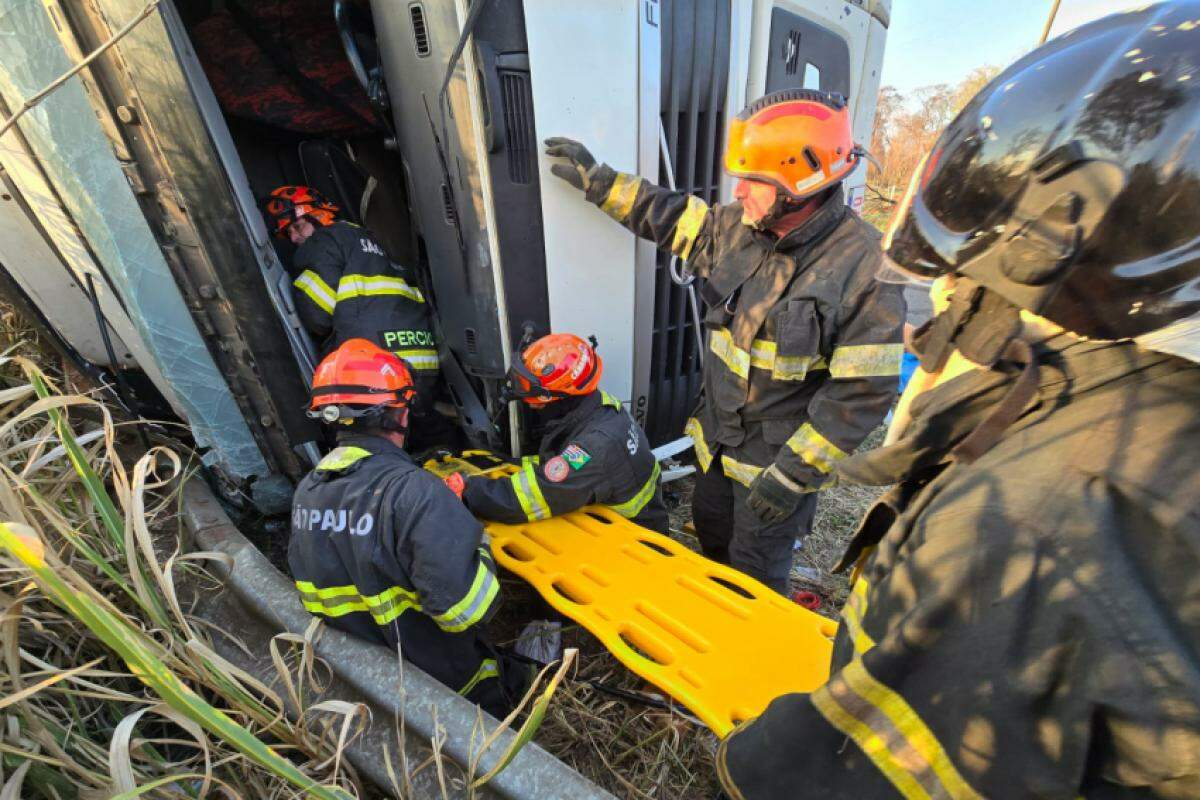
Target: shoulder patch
556,470
576,456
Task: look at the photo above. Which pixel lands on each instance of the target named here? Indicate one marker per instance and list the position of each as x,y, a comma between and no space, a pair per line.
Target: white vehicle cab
130,222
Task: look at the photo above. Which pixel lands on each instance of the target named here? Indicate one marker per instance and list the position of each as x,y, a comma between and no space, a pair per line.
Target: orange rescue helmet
359,379
289,203
556,366
797,140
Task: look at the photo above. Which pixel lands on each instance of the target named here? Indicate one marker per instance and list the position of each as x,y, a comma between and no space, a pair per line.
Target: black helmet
1070,185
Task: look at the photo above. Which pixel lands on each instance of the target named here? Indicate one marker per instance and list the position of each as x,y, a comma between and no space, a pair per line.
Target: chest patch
556,470
576,456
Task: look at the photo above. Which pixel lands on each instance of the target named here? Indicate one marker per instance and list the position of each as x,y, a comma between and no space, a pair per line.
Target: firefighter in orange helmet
345,287
381,548
804,345
592,451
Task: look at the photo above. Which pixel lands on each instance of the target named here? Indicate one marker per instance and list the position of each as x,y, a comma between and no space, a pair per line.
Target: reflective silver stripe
475,603
336,601
421,358
738,471
866,361
815,449
634,505
619,202
734,357
316,289
763,355
376,285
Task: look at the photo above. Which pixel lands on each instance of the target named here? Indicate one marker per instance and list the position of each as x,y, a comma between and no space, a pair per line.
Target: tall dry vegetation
906,126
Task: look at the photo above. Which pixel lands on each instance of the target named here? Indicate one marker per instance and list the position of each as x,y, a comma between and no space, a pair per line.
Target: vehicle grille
695,72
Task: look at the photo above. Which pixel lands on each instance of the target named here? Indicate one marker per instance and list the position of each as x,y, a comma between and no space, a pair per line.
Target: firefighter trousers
730,533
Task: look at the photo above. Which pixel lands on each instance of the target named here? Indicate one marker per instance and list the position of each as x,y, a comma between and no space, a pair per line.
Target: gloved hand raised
582,166
774,496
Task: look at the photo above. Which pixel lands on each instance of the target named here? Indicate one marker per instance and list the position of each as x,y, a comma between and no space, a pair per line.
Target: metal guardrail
260,602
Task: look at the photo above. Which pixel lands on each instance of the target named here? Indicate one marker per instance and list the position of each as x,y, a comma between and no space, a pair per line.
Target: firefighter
1025,620
592,451
381,548
803,344
346,287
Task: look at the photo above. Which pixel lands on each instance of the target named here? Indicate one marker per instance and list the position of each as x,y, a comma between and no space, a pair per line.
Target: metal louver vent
520,142
448,204
695,75
416,16
791,52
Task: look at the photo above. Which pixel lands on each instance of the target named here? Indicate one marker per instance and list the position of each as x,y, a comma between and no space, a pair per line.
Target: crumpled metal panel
68,142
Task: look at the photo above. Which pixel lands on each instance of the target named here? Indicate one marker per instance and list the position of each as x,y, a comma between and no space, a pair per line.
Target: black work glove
774,496
579,172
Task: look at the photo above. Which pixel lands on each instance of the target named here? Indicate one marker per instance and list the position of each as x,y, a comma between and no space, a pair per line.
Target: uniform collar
376,445
819,225
569,423
944,416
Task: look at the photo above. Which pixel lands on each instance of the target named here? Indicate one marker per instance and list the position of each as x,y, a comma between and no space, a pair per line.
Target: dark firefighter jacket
1029,624
804,343
347,288
594,454
385,551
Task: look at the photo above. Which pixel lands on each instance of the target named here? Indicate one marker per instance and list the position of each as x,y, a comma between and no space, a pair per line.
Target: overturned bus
130,222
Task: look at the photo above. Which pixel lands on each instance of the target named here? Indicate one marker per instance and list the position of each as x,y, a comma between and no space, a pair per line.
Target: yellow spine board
718,641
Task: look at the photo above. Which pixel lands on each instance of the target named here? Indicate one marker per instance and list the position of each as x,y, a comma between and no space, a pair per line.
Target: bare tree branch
66,76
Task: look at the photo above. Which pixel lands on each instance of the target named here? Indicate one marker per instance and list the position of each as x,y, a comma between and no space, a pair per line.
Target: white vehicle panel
584,57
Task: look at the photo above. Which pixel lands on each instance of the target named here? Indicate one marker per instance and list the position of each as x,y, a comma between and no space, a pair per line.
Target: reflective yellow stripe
376,285
734,357
341,457
529,494
852,616
634,505
866,361
317,290
619,201
703,454
611,401
422,358
742,473
763,355
688,227
475,603
488,669
814,448
336,601
891,733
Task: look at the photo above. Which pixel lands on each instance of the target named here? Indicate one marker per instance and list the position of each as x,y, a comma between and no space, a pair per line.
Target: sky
941,41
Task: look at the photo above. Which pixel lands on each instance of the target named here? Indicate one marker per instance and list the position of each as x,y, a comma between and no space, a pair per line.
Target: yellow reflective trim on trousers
423,358
619,202
474,604
736,470
814,448
488,669
895,738
375,286
391,603
341,457
866,361
688,227
529,494
703,454
317,290
852,617
734,357
634,505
